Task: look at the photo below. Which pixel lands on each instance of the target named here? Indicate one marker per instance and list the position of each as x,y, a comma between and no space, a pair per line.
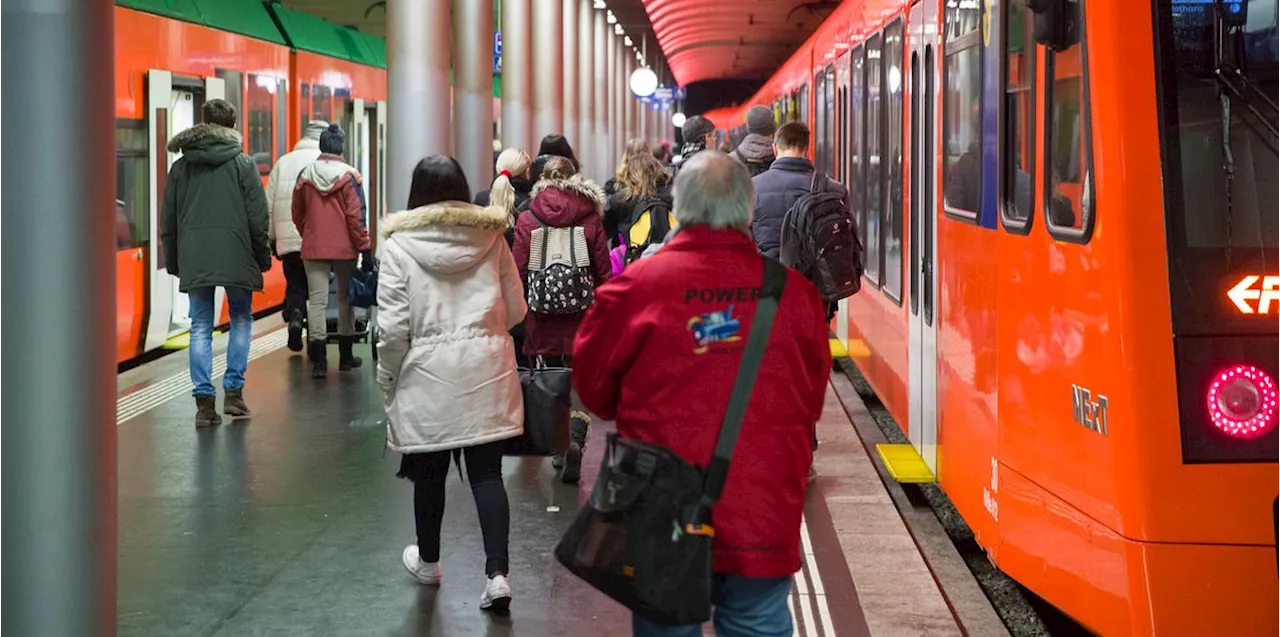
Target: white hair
713,190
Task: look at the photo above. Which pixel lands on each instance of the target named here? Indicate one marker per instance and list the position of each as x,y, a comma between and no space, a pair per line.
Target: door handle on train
137,254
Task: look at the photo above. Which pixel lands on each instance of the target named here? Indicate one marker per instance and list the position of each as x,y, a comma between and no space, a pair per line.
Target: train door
841,169
922,52
172,107
366,125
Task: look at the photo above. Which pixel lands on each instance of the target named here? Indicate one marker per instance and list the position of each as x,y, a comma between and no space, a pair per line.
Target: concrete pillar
600,93
548,68
610,90
622,92
473,91
569,19
517,61
418,104
585,147
628,99
59,452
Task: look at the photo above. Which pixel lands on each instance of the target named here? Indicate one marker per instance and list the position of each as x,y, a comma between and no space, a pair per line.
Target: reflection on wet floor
293,522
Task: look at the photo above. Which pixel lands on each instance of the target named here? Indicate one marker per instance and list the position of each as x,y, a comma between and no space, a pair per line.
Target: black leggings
484,471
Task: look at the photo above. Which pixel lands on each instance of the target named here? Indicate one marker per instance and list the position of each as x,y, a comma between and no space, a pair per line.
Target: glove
367,261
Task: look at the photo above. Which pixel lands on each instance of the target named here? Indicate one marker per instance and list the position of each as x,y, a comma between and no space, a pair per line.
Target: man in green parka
214,233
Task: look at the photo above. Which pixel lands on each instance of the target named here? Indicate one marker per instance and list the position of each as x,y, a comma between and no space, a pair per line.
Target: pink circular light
1242,402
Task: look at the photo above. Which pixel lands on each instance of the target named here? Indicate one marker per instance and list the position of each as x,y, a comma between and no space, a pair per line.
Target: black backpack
820,240
651,220
754,166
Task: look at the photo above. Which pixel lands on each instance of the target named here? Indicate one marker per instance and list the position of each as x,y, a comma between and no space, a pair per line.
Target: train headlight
1242,402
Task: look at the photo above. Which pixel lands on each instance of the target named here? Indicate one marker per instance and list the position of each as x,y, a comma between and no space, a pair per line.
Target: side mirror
1057,22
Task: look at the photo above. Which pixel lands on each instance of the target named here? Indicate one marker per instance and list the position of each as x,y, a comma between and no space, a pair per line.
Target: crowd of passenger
467,295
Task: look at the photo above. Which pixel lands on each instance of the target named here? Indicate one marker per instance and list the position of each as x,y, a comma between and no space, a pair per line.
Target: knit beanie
314,128
332,140
760,121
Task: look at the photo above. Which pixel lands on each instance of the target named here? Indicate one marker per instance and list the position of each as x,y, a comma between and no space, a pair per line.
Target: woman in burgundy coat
563,199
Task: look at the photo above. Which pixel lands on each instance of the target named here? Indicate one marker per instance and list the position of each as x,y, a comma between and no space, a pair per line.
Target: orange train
1068,210
281,68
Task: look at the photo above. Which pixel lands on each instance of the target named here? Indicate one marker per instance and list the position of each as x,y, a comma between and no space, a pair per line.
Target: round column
600,92
620,91
418,104
473,91
628,100
585,147
548,68
59,452
610,90
516,79
569,19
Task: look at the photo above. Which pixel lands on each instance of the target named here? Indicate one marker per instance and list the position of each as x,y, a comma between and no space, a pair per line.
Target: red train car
1071,295
170,58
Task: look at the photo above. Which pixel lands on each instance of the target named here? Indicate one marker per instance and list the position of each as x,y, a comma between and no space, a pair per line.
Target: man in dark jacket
214,233
658,352
778,188
756,149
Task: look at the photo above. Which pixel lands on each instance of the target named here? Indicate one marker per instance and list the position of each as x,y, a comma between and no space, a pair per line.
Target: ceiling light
609,17
677,120
599,4
627,40
617,29
643,82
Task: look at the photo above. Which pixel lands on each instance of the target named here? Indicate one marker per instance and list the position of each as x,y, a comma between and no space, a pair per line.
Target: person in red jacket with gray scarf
329,210
644,356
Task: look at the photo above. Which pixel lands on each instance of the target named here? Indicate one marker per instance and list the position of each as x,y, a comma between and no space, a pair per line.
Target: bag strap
775,279
814,186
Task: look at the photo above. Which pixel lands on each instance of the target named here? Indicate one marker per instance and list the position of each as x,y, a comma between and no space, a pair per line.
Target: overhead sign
1252,297
663,93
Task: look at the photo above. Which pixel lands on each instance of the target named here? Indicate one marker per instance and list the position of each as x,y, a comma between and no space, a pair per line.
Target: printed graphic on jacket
708,329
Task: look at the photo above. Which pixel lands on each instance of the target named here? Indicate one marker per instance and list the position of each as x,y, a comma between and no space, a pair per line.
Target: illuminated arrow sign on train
1266,294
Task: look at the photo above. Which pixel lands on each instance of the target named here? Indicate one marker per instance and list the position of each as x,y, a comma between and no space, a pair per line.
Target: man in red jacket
658,352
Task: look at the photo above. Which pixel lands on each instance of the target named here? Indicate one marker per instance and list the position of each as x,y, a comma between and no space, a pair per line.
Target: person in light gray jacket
286,243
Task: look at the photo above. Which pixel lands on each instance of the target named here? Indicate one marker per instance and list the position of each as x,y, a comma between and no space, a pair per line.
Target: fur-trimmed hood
207,144
446,237
565,202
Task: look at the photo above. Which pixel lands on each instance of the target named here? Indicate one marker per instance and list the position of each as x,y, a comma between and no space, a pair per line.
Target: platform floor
292,523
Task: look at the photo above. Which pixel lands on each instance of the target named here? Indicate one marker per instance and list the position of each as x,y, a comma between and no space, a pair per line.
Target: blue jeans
744,607
240,302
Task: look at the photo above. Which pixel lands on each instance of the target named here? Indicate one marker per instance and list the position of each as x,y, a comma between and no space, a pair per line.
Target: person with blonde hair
511,186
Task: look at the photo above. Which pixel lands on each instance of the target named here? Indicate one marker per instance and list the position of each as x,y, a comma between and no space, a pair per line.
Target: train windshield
1223,75
1217,63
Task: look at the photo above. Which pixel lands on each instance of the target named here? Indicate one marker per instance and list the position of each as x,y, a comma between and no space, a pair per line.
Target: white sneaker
426,572
497,594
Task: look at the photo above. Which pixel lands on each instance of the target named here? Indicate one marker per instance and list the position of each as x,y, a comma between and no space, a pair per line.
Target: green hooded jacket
214,221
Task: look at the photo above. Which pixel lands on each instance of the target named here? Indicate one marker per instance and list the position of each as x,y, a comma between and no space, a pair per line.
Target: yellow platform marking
904,463
837,349
181,341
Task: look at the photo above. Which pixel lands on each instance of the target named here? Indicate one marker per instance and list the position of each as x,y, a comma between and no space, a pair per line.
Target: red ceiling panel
731,39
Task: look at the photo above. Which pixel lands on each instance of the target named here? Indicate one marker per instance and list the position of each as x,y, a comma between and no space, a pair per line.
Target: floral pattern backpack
560,279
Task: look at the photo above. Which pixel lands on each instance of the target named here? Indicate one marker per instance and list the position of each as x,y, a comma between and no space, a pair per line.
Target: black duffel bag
546,411
645,536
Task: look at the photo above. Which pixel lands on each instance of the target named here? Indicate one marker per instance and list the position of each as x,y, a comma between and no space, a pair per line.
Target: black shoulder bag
645,536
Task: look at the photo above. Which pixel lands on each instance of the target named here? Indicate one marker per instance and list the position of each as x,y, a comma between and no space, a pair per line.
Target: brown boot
233,405
207,411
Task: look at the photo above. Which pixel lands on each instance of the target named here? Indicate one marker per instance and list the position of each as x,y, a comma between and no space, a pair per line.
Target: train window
962,112
342,111
322,103
1068,150
262,102
829,162
857,141
234,93
802,104
891,228
1017,131
304,104
819,124
133,194
872,152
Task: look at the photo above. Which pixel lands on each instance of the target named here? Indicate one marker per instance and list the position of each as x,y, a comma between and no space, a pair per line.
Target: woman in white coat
448,292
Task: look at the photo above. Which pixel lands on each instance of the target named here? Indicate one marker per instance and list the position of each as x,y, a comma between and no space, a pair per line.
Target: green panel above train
246,17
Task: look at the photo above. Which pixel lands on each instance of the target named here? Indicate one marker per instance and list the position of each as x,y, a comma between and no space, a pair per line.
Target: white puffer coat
448,292
284,176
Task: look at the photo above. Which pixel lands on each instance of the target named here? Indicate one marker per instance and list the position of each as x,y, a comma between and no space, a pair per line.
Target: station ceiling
701,39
